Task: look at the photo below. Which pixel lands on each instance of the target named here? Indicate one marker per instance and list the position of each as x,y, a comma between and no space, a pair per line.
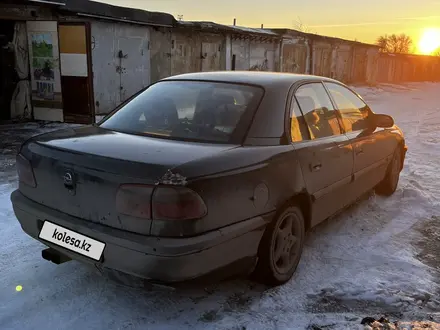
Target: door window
353,110
318,111
298,127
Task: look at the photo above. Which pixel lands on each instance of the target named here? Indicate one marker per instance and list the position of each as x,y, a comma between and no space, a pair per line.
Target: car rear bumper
165,260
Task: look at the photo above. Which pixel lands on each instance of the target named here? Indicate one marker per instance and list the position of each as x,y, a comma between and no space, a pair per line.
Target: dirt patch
428,245
329,302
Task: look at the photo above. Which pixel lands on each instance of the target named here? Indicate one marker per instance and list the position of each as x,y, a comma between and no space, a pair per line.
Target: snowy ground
380,257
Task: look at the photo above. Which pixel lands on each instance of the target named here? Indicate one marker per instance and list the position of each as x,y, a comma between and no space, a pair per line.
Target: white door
44,58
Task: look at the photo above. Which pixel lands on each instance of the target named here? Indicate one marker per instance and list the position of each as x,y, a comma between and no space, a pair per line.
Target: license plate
71,240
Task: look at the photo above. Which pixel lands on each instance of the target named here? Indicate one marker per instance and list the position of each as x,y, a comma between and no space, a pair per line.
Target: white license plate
71,240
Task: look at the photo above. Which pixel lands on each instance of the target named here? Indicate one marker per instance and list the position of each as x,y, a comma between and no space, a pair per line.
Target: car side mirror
383,121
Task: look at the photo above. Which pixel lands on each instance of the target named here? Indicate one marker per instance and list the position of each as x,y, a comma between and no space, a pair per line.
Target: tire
389,184
281,248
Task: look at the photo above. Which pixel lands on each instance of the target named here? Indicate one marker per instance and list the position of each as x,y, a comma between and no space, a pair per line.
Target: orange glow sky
349,19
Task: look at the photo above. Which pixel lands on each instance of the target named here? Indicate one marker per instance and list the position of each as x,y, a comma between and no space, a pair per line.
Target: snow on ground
380,257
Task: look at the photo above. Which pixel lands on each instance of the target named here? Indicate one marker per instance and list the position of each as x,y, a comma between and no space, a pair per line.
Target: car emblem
69,181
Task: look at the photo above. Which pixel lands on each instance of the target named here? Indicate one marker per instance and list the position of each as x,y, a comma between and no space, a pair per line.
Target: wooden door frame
89,62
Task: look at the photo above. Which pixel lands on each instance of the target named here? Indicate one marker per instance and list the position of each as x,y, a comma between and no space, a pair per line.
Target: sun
430,41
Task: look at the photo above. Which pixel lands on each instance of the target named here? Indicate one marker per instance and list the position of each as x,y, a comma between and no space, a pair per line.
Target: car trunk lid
97,162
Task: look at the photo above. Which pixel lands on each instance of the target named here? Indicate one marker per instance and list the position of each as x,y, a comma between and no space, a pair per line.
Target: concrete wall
120,61
263,56
359,64
342,63
405,68
254,55
372,65
241,49
193,51
160,52
295,58
322,59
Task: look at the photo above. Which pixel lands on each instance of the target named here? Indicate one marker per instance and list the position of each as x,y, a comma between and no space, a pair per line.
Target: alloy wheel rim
286,244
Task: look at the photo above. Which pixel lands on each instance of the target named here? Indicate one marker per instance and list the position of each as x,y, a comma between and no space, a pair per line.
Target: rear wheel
389,184
281,247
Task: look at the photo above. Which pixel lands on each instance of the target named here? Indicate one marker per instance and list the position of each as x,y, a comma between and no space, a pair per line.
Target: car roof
261,78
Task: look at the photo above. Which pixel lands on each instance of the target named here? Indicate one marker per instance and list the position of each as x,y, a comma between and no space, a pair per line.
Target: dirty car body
183,180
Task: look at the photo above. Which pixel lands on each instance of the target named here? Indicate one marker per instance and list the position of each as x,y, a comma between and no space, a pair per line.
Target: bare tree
437,52
382,42
395,43
300,26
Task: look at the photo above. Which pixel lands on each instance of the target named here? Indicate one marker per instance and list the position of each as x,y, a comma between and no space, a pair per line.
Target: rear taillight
159,202
177,203
25,172
134,200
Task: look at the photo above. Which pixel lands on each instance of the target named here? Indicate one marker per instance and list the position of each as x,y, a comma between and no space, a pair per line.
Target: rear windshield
189,110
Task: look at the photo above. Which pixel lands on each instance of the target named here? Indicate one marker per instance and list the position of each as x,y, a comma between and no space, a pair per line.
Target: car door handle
315,167
359,151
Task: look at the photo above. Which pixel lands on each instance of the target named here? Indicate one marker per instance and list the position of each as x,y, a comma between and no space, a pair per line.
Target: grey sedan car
206,173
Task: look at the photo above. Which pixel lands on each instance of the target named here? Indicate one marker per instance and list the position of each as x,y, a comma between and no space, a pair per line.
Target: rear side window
189,110
318,111
353,110
298,127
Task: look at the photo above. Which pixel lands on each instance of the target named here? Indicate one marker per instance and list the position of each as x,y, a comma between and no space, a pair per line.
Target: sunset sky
349,19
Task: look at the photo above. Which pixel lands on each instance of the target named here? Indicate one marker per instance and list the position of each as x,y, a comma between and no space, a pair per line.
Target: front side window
318,111
353,110
189,110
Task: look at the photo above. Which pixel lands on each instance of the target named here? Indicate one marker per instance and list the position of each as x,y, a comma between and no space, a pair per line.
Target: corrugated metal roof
106,11
319,37
253,30
203,25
